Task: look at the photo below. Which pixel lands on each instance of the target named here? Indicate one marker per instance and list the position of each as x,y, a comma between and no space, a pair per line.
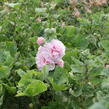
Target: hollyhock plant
50,54
40,40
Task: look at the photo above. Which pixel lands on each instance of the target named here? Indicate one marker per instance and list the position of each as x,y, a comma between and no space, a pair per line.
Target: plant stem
34,102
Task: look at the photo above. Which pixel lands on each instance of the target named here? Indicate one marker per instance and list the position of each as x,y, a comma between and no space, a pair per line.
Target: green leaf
78,68
40,10
57,86
105,83
36,87
59,1
58,79
12,5
36,2
4,72
105,44
20,72
10,89
44,73
76,92
5,58
80,41
29,85
70,31
9,46
60,75
98,106
1,94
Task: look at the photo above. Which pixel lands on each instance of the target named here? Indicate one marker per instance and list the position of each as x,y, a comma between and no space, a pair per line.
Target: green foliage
29,85
1,94
34,88
83,83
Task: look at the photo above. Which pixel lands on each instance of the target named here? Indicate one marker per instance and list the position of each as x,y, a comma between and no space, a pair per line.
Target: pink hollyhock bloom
50,54
60,63
56,49
40,40
43,58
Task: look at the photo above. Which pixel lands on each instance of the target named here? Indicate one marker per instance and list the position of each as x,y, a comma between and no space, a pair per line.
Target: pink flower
40,40
56,49
50,54
43,58
60,63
